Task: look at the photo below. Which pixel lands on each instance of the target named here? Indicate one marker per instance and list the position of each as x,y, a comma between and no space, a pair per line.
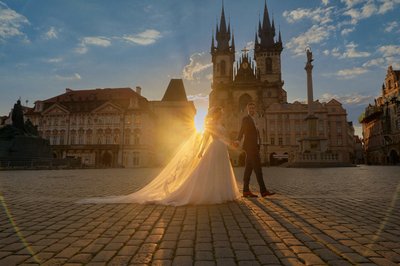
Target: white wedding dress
188,180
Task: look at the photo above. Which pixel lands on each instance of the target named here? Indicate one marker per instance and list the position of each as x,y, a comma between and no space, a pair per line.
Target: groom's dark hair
251,103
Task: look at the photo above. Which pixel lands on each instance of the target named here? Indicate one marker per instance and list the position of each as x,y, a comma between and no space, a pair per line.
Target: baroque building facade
282,124
113,127
381,123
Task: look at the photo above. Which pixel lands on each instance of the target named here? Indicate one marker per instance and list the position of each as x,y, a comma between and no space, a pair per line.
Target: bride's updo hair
213,114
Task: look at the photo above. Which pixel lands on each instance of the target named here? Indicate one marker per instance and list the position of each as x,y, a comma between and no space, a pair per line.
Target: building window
339,127
135,158
127,140
136,119
108,139
223,68
321,126
339,141
280,141
89,139
136,137
297,127
73,139
80,139
268,65
62,139
272,141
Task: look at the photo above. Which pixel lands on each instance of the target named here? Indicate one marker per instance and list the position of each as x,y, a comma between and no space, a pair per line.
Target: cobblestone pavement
340,216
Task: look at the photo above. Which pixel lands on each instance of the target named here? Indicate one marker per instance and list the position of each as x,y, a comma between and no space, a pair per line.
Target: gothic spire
222,25
266,22
255,40
266,32
273,27
233,42
223,34
280,36
212,43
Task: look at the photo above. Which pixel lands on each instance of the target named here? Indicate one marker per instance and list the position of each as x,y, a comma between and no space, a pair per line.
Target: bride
200,173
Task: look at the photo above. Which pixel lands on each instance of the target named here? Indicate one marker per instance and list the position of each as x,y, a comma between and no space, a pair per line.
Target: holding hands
235,144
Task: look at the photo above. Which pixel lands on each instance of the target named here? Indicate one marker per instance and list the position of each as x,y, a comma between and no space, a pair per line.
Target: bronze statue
17,116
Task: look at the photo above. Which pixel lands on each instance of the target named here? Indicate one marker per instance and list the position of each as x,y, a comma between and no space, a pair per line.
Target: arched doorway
106,159
393,157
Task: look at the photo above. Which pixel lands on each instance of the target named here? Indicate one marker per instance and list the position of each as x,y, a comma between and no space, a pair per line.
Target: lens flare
18,230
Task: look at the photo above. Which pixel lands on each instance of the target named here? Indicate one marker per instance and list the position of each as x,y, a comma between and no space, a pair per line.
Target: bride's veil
168,180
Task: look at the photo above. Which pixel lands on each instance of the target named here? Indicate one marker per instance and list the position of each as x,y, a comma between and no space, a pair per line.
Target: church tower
223,54
267,54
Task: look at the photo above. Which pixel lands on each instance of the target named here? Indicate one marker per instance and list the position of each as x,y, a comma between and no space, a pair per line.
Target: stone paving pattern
338,216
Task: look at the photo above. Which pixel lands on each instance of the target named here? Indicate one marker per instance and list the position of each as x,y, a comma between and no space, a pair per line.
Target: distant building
282,124
359,150
381,123
112,127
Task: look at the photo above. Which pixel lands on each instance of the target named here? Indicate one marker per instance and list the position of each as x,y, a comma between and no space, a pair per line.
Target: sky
49,45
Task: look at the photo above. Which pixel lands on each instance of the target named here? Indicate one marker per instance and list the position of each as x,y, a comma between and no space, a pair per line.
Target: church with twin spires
259,79
235,83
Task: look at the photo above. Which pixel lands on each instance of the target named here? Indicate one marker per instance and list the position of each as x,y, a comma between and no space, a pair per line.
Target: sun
199,119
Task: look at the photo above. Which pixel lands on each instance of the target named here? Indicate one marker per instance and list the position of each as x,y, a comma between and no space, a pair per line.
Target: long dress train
188,179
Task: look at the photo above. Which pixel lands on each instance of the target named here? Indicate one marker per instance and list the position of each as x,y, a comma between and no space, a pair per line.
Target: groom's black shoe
267,193
248,194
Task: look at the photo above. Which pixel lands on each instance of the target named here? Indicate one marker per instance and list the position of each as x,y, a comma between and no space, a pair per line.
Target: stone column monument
312,120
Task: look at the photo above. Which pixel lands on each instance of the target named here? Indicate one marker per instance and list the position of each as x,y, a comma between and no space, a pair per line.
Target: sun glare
199,119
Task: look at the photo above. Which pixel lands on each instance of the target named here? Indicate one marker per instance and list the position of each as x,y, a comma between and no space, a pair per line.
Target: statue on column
309,56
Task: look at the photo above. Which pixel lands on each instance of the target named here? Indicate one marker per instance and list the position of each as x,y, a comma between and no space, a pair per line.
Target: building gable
108,107
56,109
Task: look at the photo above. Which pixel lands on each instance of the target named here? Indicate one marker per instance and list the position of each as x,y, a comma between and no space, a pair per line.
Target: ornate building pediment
56,109
108,107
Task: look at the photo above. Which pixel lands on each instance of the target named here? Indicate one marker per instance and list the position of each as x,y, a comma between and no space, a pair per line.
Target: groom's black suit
251,145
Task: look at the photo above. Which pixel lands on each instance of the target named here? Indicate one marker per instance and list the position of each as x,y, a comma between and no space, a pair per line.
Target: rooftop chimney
139,90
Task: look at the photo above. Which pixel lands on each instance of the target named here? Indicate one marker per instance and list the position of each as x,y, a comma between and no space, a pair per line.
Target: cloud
352,53
198,97
390,50
351,72
317,15
391,26
368,8
374,62
73,77
52,33
146,37
92,41
199,63
11,23
54,60
347,31
351,3
349,53
316,34
349,99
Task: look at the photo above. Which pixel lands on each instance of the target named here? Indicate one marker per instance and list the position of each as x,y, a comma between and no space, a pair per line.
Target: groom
251,145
